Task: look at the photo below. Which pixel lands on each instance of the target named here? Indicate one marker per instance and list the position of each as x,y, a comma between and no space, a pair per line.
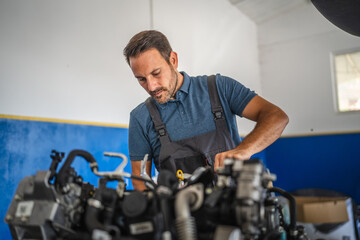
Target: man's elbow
282,118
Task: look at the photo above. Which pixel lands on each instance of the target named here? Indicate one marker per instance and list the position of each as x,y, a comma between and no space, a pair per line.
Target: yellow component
180,175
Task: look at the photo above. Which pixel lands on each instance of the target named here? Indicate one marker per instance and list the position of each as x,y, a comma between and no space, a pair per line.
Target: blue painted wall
25,148
329,161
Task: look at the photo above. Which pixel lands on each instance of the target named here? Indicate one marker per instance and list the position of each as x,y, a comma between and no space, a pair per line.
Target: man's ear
173,59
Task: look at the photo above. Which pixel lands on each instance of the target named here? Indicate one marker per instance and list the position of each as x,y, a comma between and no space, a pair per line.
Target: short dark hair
146,40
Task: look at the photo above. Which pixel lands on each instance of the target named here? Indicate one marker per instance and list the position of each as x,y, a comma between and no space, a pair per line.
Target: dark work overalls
190,153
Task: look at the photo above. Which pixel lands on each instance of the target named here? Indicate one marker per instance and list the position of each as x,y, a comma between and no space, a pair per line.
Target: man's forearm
138,185
135,170
270,125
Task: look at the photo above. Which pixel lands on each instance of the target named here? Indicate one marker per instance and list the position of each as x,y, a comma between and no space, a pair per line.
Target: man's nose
152,84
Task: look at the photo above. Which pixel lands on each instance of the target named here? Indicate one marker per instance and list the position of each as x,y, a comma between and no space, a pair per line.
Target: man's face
155,75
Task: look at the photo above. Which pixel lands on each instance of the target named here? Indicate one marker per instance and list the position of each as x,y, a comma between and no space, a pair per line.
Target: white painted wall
295,65
63,59
212,36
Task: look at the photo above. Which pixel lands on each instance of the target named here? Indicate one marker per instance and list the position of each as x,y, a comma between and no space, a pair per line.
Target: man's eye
141,79
156,73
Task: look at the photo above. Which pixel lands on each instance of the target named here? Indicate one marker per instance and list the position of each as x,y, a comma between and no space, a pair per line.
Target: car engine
238,202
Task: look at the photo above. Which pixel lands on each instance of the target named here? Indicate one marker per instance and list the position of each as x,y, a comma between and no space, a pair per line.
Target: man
190,121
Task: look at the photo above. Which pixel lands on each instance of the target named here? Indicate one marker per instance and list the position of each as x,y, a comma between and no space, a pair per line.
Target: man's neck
179,82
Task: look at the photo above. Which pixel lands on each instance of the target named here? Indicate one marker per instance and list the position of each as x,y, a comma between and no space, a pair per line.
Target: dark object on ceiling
344,14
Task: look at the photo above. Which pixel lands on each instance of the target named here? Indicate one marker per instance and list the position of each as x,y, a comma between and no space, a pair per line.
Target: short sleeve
138,141
235,93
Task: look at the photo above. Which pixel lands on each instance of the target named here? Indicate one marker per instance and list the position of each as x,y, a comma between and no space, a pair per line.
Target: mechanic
190,122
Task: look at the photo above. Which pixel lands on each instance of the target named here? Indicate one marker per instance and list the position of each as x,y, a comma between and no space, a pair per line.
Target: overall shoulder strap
216,107
155,117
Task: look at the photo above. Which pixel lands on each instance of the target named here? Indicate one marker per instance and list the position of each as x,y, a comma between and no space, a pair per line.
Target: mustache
152,93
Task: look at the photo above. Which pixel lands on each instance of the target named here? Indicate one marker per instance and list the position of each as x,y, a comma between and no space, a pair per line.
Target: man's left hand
232,154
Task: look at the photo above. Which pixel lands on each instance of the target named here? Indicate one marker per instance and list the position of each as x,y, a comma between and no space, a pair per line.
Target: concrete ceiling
262,10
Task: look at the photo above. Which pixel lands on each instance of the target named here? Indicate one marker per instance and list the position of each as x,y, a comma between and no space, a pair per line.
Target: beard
166,94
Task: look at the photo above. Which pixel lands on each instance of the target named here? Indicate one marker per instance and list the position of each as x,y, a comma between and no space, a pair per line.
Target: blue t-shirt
188,115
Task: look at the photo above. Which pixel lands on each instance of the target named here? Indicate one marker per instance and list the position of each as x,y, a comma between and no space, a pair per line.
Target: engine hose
91,219
185,223
292,205
93,211
143,179
186,200
61,176
186,228
165,209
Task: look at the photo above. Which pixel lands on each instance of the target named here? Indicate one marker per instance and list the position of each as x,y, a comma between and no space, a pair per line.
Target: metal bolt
24,219
208,191
9,218
17,197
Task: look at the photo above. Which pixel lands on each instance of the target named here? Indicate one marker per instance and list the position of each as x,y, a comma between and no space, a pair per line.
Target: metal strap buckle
218,114
162,132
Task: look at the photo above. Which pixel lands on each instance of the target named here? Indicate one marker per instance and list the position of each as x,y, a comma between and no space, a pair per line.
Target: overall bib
190,153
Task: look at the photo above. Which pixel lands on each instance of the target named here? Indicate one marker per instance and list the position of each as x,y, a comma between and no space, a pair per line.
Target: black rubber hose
62,175
165,209
292,205
91,219
143,179
92,214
